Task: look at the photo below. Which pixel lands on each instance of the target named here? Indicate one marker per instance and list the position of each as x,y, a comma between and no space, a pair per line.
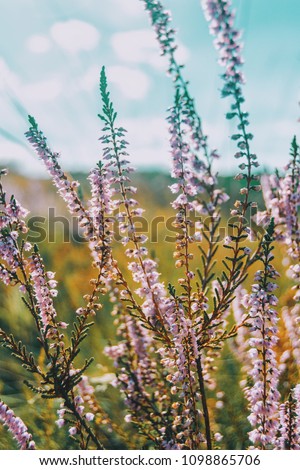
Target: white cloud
148,139
130,9
74,36
121,12
147,131
140,46
38,44
132,82
44,90
13,152
7,77
90,79
137,46
39,91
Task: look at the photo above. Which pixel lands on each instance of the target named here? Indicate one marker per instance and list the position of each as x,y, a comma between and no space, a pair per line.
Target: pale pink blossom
16,427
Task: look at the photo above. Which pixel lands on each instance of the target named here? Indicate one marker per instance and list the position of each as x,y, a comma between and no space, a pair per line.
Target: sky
52,51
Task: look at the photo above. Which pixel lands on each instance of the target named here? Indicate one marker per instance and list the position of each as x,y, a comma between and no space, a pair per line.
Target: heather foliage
171,334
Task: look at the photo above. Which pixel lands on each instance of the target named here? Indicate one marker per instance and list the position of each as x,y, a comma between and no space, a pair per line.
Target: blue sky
52,52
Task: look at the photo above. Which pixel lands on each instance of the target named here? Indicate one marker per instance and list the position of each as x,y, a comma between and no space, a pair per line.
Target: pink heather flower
291,318
67,189
23,289
13,213
186,186
218,437
42,291
221,21
263,396
161,19
100,210
50,275
27,246
60,422
61,412
240,346
177,359
89,416
85,389
282,199
50,159
78,400
16,427
289,428
12,216
128,418
73,431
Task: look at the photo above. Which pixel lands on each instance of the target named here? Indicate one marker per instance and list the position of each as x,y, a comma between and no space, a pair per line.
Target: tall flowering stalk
188,308
221,20
200,175
290,422
291,320
263,396
16,427
282,198
166,37
143,269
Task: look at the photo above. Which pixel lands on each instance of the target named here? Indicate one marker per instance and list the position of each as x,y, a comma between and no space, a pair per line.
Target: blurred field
71,262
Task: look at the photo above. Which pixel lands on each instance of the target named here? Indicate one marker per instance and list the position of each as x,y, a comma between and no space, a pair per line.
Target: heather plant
170,337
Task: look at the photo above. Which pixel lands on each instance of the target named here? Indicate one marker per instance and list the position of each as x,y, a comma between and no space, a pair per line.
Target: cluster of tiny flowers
270,185
180,170
66,189
282,198
138,340
289,428
12,213
291,319
131,360
12,223
100,212
95,221
16,426
263,396
240,346
82,392
44,287
221,19
194,176
180,361
87,391
101,201
282,204
138,371
161,20
9,253
188,169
